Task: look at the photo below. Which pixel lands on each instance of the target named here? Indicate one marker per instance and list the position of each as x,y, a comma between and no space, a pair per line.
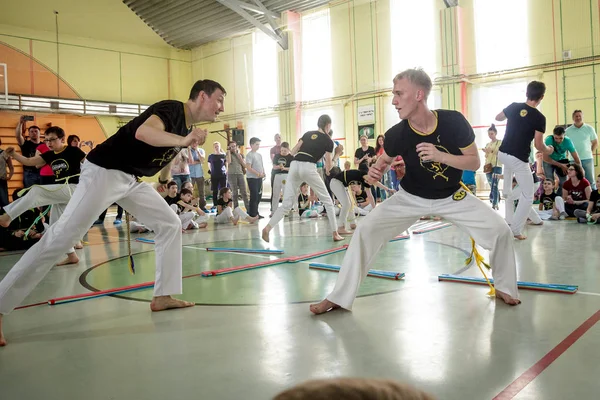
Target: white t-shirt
255,160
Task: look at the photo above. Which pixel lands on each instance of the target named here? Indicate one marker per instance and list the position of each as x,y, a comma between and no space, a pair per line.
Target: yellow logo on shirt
436,168
523,113
314,136
459,195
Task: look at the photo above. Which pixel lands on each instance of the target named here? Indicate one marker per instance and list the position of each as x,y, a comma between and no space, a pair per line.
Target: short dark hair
575,112
170,184
71,138
254,140
549,180
33,127
185,191
323,121
57,130
285,145
559,130
578,171
207,86
223,191
536,90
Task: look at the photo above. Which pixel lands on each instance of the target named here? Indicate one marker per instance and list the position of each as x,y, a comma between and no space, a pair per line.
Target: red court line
525,379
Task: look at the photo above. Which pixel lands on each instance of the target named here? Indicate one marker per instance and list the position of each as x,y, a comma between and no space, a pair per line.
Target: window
265,129
310,116
317,78
510,49
264,67
407,18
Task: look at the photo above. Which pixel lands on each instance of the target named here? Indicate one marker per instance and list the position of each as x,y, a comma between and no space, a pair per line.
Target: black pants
3,193
119,213
217,183
571,208
255,187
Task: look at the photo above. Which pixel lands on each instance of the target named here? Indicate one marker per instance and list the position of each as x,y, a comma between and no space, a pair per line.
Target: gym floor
251,334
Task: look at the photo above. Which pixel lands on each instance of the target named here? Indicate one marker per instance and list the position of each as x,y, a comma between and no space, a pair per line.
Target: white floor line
589,293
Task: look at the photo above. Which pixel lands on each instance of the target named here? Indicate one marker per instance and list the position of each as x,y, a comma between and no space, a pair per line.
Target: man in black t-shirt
308,151
436,146
364,154
31,175
281,167
65,162
143,147
525,124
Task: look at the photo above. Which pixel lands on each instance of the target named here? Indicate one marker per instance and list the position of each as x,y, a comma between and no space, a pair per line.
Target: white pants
341,193
302,171
56,196
516,219
399,212
98,188
228,213
278,186
189,219
364,210
531,214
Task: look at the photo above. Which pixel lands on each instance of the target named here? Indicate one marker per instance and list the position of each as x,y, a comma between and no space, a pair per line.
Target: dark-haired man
65,162
31,175
525,124
143,147
558,161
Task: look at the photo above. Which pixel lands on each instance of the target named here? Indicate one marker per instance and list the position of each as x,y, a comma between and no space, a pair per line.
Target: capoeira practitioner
525,123
356,181
143,147
436,146
281,167
65,162
310,149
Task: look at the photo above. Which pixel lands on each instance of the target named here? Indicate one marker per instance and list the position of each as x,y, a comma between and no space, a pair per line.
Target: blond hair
418,77
353,389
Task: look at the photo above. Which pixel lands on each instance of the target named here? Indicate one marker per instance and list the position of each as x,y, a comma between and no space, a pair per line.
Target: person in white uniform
436,146
525,124
143,147
310,148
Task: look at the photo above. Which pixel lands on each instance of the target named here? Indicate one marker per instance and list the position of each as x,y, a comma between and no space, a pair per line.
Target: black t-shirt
430,180
180,208
595,200
28,150
314,146
283,161
124,152
66,163
547,200
172,200
352,177
362,197
360,153
221,202
303,203
217,165
522,122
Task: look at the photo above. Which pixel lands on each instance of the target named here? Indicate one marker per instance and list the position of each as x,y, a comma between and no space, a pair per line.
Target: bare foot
235,220
511,301
4,220
202,225
437,218
71,259
425,218
520,237
265,234
352,226
2,338
162,303
343,231
79,245
337,237
323,307
252,219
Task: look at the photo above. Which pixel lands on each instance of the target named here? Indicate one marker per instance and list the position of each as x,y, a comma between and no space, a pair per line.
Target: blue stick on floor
375,273
545,287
